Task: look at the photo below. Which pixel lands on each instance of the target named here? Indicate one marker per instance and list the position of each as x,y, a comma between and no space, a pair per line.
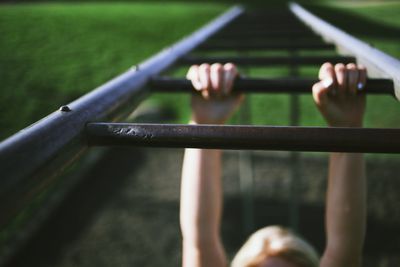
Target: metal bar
379,64
266,46
26,155
267,61
265,34
264,38
267,30
258,85
246,171
262,26
295,172
245,137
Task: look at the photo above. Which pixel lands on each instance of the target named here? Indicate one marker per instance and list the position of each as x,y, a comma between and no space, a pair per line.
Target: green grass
50,54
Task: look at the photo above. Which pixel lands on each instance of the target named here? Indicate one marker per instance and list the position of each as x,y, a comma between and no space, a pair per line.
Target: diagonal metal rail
378,63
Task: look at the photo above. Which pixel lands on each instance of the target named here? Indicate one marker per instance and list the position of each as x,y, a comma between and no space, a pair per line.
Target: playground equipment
33,156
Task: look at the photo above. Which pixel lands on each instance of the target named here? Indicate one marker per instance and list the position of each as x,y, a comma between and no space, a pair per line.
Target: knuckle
216,67
340,67
205,66
327,65
229,66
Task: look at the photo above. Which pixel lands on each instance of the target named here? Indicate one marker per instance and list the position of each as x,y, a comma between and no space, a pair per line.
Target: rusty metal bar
320,139
258,85
267,61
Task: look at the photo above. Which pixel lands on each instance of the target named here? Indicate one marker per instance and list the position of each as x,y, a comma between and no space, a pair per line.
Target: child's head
275,242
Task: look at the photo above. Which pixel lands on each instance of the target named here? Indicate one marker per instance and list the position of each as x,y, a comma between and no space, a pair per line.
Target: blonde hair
275,241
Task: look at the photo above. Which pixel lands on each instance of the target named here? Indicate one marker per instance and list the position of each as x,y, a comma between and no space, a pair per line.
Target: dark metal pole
254,85
267,61
266,46
295,171
246,172
320,139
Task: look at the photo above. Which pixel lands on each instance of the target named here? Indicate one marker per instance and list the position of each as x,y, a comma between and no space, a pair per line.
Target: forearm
346,207
201,196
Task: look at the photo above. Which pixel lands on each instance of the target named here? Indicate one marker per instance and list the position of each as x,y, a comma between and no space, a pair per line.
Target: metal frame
379,64
42,150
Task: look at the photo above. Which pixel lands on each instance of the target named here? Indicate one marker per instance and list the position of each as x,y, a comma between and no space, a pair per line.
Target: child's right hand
339,95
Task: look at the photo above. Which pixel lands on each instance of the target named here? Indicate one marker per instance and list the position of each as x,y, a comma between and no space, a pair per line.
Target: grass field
50,54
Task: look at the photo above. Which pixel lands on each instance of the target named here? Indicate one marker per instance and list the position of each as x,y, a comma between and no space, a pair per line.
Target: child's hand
339,95
216,103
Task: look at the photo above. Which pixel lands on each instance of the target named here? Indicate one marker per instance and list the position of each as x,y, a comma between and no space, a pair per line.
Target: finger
327,74
216,76
352,78
230,73
204,76
362,77
326,71
193,76
320,93
341,77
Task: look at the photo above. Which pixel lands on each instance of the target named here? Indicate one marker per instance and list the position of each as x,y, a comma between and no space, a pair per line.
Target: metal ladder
30,158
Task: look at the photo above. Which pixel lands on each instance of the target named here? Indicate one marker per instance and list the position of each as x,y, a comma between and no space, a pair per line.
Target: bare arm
201,192
201,204
340,102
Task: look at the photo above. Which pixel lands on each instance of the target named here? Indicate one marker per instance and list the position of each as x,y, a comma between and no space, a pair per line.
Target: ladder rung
267,61
327,139
266,46
246,34
265,31
258,85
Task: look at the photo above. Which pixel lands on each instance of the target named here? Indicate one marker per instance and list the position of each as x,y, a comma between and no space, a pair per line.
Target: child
338,98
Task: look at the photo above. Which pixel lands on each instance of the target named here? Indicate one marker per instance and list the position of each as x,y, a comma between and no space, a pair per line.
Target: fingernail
360,86
327,83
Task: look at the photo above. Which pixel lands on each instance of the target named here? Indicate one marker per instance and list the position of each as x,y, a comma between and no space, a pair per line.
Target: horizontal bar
267,46
258,85
264,26
267,30
245,137
378,63
251,33
266,61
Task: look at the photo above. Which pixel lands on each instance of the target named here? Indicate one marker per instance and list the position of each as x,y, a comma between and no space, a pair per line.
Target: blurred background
51,53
